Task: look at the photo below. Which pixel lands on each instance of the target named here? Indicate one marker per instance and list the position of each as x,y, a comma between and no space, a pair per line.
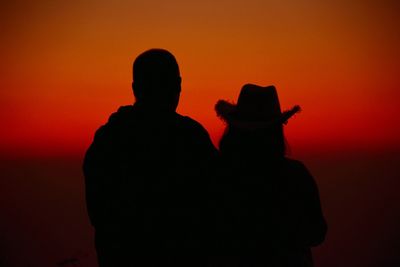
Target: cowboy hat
257,107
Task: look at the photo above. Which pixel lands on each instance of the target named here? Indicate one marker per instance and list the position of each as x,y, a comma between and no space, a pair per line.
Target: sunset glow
66,67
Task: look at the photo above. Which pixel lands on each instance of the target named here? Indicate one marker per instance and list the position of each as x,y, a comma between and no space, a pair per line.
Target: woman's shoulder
299,174
296,167
294,163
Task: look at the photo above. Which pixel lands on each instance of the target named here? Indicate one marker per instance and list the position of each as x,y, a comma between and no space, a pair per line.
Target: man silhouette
146,174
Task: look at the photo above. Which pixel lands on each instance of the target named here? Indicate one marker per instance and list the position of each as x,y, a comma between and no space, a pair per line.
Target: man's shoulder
189,121
123,114
191,124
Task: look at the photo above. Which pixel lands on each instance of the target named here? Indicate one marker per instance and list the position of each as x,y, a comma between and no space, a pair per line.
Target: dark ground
43,217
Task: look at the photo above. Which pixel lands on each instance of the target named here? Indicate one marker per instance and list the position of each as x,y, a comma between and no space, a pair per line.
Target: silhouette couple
159,193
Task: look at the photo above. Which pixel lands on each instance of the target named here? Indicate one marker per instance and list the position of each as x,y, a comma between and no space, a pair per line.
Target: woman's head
254,124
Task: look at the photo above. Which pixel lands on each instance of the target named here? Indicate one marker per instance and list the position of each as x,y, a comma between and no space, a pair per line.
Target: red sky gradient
66,65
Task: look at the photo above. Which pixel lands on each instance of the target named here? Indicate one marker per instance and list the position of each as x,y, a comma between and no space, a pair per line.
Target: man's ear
134,89
179,84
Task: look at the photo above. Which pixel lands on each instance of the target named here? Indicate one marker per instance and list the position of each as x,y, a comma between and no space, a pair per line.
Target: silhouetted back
145,181
268,208
146,174
268,212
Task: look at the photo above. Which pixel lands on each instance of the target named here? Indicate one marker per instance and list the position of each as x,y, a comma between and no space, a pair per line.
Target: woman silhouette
268,211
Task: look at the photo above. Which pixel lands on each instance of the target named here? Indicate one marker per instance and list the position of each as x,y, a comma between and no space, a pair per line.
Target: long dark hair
251,144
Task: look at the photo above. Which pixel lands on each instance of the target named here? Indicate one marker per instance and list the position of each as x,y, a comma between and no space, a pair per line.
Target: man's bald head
156,78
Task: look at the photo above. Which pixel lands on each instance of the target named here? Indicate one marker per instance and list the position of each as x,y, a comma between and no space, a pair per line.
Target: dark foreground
44,223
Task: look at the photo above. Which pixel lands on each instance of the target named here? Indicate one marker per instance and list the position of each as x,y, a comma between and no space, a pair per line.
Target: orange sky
66,65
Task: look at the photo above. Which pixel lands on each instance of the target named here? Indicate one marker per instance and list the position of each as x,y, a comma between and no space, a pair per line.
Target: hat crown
257,103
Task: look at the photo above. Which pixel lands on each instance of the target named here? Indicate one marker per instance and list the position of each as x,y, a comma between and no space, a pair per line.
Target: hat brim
226,110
